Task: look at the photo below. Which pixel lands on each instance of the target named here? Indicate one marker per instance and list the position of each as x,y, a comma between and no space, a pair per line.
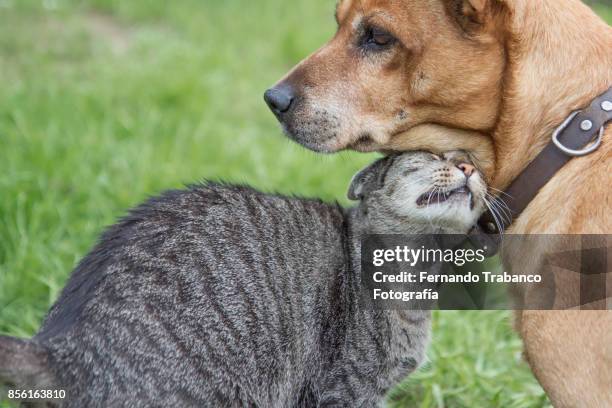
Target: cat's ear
370,179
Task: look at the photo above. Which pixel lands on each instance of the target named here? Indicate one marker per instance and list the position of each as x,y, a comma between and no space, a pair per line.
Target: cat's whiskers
500,192
503,210
435,190
494,214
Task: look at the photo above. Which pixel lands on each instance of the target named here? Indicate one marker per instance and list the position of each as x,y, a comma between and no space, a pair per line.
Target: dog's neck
559,57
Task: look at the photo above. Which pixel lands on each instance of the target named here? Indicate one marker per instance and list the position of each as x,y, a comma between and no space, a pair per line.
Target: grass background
106,102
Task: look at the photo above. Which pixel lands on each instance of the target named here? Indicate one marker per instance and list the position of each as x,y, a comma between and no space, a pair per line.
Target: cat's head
420,192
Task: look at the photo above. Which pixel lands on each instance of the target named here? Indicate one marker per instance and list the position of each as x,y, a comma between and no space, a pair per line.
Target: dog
494,77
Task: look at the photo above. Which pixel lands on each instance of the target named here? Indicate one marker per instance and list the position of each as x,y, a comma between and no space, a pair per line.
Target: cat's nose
466,168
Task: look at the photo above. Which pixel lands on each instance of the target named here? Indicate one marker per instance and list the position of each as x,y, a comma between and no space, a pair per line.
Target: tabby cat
222,296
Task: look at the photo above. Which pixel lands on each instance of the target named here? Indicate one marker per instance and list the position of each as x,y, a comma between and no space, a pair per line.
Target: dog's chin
315,129
326,141
319,139
312,143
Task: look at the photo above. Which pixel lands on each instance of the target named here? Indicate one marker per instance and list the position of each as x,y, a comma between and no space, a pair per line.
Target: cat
222,296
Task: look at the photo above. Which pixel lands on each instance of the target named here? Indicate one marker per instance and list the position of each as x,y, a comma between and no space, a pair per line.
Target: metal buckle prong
571,152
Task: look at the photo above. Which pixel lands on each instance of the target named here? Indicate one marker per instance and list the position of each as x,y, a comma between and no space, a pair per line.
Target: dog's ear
472,15
370,179
474,9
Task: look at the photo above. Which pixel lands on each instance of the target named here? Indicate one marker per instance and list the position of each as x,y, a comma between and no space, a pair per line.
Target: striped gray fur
222,296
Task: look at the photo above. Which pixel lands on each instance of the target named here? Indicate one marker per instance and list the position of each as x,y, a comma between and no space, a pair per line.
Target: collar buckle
585,127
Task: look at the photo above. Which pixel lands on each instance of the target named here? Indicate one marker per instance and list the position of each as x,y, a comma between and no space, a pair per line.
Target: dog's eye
377,38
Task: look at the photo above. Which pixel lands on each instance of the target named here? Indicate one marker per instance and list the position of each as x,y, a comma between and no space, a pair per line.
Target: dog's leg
570,353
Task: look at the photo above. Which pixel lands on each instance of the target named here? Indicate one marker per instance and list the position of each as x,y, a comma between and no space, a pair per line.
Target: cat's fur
224,296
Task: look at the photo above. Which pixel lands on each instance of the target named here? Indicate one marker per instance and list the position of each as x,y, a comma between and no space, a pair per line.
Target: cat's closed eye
409,170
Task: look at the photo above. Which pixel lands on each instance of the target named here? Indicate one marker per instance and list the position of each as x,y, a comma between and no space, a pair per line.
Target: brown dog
511,69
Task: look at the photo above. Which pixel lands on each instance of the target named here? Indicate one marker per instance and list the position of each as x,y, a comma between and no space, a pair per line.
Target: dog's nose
466,168
279,99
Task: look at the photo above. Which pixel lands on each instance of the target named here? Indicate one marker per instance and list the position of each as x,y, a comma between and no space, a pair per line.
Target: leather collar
580,134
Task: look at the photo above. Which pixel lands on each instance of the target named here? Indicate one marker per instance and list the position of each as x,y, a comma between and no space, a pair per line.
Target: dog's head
393,65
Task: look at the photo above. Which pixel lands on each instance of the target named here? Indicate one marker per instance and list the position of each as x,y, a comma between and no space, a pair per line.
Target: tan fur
430,137
511,69
555,67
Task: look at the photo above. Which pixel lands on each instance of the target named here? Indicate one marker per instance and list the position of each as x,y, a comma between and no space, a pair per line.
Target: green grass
106,102
604,10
